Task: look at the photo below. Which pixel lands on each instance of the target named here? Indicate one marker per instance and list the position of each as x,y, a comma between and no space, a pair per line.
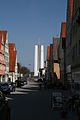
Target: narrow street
30,103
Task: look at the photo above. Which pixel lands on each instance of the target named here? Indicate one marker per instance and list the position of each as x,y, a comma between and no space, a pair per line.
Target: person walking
40,83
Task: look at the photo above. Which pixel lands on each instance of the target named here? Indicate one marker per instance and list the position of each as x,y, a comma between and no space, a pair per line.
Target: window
79,48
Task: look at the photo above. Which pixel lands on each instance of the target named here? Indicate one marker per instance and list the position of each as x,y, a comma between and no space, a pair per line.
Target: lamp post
30,71
29,66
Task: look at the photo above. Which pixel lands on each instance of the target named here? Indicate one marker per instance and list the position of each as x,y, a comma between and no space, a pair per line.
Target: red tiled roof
63,30
12,57
11,47
51,49
71,8
0,39
48,52
4,33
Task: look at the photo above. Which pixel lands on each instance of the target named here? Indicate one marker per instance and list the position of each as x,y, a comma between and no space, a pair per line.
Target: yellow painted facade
57,70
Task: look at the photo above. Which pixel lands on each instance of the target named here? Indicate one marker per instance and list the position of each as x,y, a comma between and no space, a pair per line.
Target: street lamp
30,71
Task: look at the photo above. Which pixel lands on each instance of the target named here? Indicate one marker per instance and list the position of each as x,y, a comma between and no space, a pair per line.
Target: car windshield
4,84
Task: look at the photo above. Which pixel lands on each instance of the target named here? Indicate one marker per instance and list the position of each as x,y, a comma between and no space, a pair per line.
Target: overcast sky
29,21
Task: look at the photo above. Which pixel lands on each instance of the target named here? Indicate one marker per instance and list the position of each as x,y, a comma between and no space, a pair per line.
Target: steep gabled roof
71,8
12,47
1,39
48,52
51,49
2,59
4,34
12,57
63,30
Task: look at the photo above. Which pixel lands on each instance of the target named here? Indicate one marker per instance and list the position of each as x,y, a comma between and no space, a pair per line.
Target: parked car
5,88
40,80
25,81
4,108
19,83
35,79
12,86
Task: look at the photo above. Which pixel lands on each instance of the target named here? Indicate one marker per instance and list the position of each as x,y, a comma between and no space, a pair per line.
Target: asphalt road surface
30,103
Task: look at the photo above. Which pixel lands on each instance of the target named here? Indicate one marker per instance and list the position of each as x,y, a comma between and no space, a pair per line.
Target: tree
23,70
19,67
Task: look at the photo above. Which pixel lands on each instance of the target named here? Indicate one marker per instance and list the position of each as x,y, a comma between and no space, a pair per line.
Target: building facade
47,75
55,57
2,59
12,62
75,42
53,69
38,59
6,54
69,39
61,50
51,64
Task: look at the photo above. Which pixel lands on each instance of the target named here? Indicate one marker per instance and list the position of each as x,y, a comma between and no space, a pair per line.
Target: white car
35,79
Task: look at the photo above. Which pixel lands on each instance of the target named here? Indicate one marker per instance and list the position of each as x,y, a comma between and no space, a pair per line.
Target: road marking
8,98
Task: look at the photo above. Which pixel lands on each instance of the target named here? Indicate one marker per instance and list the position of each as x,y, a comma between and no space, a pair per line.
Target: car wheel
8,92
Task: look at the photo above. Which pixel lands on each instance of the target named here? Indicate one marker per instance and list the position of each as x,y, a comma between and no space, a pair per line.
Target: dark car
5,88
25,81
4,108
12,86
40,80
19,83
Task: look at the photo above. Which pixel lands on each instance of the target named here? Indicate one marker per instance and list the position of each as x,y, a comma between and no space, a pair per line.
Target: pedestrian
40,85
